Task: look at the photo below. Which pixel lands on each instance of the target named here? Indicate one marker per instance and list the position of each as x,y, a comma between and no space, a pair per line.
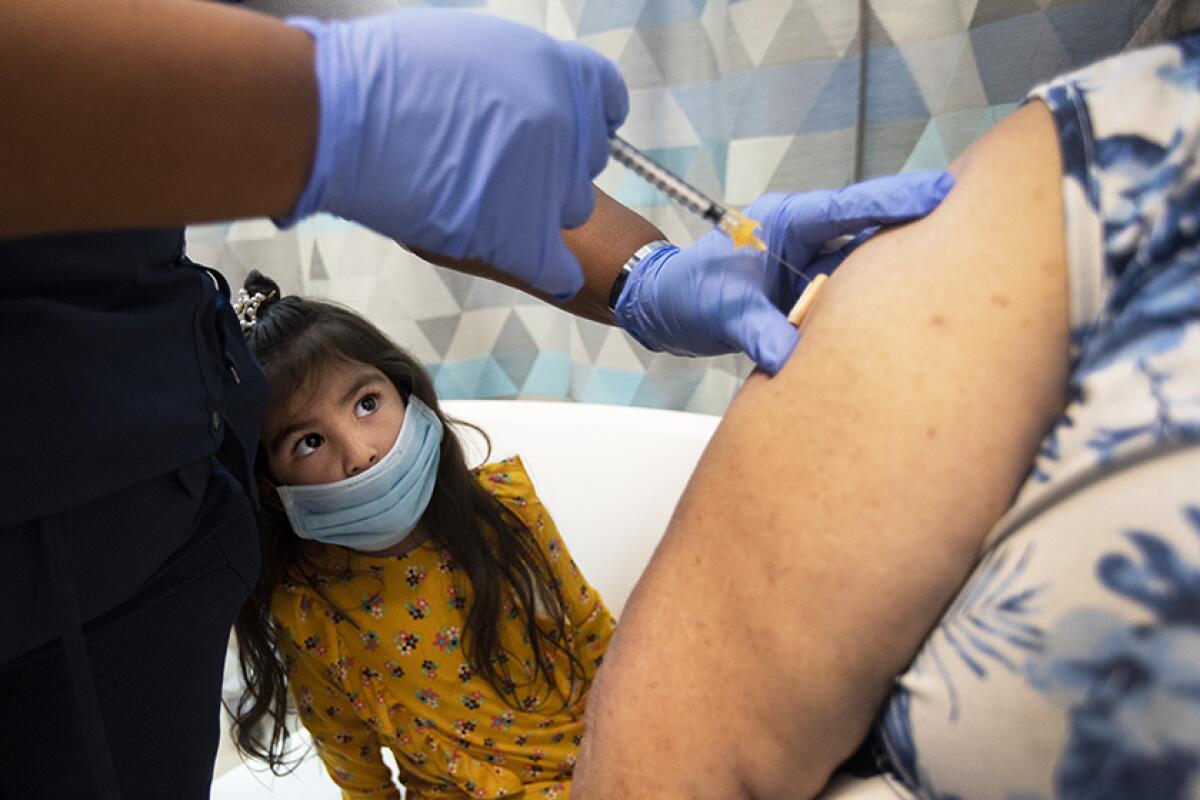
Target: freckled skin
886,436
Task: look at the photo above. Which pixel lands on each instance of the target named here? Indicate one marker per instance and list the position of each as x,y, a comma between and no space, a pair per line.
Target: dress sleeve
347,745
589,617
1129,142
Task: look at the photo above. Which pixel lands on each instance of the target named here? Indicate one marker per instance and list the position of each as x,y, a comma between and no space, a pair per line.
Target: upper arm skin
841,504
148,113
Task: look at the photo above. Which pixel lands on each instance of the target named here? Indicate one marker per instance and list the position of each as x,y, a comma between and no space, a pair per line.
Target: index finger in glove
880,201
604,98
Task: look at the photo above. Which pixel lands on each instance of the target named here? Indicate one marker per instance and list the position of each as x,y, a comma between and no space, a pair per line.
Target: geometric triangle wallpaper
740,97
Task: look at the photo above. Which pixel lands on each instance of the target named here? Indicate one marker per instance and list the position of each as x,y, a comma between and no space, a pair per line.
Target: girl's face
342,424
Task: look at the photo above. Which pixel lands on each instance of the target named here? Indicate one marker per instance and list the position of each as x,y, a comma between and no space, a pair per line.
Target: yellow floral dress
386,668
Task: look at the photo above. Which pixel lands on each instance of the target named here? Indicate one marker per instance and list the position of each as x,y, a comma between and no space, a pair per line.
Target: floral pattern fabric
378,661
1069,664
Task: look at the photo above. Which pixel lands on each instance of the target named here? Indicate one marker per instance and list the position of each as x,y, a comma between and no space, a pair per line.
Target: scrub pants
118,617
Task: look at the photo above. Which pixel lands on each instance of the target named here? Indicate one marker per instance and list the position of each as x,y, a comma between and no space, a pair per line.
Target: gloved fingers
766,209
602,74
767,337
825,264
601,102
856,241
816,217
588,72
559,272
742,314
616,95
822,264
885,201
579,202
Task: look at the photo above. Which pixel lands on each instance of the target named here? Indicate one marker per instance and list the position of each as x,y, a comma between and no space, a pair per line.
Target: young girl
405,600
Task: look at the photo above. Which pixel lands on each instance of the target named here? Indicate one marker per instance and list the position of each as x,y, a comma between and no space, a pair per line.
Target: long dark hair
293,338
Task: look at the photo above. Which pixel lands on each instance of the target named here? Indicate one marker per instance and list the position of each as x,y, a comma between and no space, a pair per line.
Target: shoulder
510,484
508,481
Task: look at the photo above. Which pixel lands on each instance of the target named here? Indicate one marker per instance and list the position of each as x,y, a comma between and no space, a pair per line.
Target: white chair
610,476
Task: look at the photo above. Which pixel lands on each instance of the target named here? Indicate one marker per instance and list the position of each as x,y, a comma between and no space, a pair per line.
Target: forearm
840,505
149,113
154,113
602,244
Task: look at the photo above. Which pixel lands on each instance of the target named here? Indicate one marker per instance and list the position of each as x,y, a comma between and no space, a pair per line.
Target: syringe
733,223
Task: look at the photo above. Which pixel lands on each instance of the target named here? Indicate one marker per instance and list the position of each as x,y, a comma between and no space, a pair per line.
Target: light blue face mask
377,508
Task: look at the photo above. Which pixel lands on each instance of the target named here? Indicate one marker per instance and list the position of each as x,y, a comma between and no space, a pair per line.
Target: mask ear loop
268,489
269,493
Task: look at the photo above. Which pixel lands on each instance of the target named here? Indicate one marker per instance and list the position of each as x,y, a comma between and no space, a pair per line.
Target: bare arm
603,244
841,504
149,113
155,113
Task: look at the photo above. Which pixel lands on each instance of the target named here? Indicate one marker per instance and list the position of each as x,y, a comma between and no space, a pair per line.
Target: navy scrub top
121,361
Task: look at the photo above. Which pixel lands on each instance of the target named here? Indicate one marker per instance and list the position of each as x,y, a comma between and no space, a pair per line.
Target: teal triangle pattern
473,377
636,191
549,376
615,387
606,16
737,97
658,13
929,152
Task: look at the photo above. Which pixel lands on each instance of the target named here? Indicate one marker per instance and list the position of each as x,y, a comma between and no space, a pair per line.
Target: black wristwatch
618,286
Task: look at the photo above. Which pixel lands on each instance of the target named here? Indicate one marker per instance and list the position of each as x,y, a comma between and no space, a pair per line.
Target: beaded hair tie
246,307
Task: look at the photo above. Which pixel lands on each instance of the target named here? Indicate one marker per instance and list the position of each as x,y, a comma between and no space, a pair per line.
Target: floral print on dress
447,639
418,609
455,599
406,642
414,575
1069,664
390,678
373,605
1114,677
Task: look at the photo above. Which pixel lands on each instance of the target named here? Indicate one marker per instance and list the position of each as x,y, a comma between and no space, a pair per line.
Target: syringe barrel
740,228
672,186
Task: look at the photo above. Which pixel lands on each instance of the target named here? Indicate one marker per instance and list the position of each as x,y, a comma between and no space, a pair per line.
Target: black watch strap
618,286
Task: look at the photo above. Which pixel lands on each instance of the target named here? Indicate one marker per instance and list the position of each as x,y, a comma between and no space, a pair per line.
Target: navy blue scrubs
130,409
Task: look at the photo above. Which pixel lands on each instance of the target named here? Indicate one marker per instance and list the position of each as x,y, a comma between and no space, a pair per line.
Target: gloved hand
710,298
463,135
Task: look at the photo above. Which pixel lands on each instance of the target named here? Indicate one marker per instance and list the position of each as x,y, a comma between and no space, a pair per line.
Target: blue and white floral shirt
1069,665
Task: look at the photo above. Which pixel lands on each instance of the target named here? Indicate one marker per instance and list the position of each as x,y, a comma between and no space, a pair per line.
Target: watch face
619,284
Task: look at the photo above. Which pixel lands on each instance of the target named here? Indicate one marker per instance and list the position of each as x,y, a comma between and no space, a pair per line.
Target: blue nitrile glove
796,227
710,298
462,135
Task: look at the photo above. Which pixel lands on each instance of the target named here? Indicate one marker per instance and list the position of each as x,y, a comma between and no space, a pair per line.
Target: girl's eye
368,405
308,444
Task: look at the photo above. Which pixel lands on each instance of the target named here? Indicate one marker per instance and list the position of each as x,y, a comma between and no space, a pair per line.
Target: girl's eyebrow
364,380
361,382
